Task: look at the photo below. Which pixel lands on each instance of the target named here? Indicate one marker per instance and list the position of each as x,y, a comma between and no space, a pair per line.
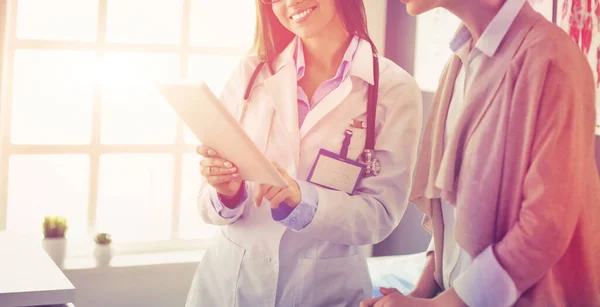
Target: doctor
299,245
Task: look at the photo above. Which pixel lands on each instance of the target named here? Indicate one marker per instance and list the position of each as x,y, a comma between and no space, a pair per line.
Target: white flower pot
103,254
56,248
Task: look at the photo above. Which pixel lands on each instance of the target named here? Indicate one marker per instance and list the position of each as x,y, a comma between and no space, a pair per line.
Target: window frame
95,149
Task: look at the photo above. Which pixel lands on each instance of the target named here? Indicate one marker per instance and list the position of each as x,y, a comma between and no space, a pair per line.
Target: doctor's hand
393,298
219,173
289,194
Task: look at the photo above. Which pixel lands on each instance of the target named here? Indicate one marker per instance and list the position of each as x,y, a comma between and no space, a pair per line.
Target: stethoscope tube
253,80
372,105
372,163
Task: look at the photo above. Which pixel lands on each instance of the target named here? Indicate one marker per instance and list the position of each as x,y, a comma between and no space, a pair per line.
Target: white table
28,276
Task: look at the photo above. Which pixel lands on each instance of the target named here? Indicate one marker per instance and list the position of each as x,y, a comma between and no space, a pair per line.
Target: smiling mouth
303,14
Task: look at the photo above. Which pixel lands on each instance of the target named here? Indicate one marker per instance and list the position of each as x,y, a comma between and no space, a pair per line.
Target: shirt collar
344,68
494,34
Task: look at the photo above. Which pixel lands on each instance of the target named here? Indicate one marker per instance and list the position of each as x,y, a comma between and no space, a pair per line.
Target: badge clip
346,144
355,123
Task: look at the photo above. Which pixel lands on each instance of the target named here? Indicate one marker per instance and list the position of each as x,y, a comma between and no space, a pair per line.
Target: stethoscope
368,158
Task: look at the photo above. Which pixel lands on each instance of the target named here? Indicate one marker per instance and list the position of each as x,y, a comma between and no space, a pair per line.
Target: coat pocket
216,280
332,282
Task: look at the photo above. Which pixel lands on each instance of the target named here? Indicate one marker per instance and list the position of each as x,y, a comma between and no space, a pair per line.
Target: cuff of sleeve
486,283
309,193
298,218
223,210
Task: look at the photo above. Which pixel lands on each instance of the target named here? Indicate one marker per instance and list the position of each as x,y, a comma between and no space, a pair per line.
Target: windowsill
135,260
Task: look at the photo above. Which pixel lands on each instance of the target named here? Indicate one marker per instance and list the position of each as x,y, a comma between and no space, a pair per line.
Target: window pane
133,111
190,223
40,185
52,97
68,20
222,23
215,71
435,30
135,196
190,138
142,21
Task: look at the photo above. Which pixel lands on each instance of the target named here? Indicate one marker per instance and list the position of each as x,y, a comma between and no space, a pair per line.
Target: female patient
506,176
298,245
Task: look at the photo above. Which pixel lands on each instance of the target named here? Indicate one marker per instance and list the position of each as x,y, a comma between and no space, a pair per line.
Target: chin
306,33
416,7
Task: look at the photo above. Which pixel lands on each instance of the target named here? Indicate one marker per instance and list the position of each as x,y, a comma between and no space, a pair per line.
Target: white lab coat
256,261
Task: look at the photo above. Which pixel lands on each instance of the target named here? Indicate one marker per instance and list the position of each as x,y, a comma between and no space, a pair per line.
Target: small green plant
54,227
103,238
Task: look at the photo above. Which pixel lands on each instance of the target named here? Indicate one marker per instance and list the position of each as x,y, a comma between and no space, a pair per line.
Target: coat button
293,220
268,259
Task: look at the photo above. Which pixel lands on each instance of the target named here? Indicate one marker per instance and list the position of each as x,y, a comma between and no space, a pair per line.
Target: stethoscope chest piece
372,163
375,167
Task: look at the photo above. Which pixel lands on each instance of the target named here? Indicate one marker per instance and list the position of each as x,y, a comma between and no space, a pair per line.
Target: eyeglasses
270,1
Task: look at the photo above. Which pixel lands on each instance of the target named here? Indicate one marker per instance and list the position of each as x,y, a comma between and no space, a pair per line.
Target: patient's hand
393,298
426,287
421,293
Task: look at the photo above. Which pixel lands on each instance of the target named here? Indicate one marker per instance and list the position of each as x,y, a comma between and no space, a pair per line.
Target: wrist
425,290
448,298
296,201
435,302
232,201
427,287
421,293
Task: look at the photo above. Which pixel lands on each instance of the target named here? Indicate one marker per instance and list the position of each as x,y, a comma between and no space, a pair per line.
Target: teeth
301,14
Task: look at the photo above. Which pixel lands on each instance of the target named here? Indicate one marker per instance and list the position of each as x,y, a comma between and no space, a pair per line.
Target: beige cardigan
520,166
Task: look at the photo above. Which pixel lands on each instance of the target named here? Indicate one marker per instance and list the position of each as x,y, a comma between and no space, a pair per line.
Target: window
435,30
84,133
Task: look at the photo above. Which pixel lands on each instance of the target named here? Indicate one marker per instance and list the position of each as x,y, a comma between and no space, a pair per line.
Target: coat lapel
361,67
324,107
281,88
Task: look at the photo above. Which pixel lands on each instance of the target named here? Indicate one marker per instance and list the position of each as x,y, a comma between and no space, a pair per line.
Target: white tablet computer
216,128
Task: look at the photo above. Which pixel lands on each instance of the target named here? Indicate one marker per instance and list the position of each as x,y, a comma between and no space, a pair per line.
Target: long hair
271,37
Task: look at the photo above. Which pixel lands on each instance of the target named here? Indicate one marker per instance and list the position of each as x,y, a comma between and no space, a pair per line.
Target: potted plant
54,242
103,250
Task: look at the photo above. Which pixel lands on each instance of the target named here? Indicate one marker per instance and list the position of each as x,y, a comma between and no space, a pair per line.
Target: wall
377,18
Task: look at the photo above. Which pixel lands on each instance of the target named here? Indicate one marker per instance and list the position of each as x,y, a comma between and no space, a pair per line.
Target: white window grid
96,149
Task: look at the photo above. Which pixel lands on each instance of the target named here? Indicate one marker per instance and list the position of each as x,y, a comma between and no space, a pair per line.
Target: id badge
336,172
